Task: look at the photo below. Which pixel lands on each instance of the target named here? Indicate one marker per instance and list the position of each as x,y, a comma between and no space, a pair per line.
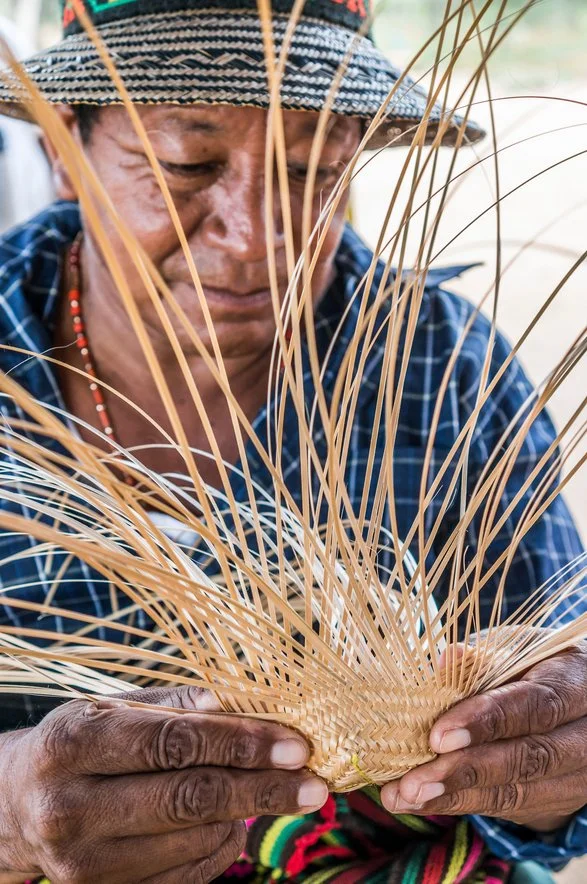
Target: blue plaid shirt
30,271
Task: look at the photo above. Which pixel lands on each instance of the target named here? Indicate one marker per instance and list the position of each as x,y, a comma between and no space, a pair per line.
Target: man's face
213,159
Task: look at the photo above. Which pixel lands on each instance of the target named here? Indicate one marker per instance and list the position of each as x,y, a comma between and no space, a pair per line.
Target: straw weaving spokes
314,610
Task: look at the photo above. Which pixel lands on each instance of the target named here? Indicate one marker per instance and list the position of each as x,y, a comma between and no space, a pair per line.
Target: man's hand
104,792
518,752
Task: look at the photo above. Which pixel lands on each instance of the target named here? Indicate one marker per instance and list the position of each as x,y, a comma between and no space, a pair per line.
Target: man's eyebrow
306,128
202,126
189,123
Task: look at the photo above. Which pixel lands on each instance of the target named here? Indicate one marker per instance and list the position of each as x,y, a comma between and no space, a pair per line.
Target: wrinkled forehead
223,122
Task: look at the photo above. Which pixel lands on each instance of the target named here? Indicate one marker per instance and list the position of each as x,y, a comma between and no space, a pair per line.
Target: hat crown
346,13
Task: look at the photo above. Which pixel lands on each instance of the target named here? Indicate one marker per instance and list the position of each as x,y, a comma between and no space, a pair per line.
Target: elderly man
108,793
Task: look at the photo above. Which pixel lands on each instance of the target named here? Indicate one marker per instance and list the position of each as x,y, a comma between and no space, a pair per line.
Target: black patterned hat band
188,52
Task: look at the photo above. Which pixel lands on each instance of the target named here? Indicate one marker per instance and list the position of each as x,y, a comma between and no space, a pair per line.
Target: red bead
74,297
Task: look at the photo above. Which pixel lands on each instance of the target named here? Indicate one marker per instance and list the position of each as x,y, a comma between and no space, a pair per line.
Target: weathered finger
131,856
548,696
185,697
521,760
205,870
518,802
115,739
163,802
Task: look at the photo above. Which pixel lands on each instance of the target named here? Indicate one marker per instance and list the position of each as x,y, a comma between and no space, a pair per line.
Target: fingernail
394,803
406,807
459,738
313,793
289,753
110,704
390,797
205,701
429,792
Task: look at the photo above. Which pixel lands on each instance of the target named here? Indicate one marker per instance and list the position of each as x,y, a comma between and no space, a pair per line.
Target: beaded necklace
81,338
83,345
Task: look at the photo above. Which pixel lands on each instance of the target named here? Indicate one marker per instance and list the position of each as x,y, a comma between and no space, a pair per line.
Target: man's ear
61,181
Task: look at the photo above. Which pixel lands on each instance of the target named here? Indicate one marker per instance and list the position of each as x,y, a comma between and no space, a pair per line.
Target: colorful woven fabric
350,14
353,839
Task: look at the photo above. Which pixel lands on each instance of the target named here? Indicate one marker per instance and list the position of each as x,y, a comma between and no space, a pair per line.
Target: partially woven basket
370,737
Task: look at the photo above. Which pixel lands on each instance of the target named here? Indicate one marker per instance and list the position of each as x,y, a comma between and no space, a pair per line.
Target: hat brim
216,57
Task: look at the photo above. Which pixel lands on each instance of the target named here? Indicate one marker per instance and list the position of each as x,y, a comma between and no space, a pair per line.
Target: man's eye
189,170
324,175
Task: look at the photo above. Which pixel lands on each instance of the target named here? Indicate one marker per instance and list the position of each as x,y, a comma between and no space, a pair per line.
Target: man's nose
236,220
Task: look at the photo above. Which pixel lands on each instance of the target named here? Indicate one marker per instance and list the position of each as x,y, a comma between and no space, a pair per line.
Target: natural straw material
282,606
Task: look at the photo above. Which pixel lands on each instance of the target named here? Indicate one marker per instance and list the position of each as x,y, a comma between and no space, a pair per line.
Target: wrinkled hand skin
103,792
518,752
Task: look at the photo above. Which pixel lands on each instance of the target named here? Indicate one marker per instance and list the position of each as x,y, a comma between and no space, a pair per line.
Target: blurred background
538,86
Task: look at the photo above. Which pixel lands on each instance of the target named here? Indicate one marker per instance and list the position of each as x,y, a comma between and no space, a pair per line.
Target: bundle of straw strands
282,607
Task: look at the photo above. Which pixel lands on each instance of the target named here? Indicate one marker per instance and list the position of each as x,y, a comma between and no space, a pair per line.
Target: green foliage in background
546,46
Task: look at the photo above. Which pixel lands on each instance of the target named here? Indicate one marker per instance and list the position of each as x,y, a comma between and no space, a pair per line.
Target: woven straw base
372,737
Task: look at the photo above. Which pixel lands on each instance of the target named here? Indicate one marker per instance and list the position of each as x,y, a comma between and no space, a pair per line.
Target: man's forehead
218,119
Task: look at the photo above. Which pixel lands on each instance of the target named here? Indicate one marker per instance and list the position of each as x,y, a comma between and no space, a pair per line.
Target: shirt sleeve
519,844
551,545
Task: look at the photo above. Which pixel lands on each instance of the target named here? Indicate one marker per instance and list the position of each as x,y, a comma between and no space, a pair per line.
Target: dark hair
87,117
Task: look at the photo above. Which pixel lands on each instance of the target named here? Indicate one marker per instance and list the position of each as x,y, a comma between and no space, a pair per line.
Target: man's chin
236,339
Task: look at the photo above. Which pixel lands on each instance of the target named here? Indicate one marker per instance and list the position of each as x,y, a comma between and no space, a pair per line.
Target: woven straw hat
211,52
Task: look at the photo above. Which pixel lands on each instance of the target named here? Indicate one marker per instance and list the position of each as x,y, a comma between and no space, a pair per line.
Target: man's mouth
241,301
